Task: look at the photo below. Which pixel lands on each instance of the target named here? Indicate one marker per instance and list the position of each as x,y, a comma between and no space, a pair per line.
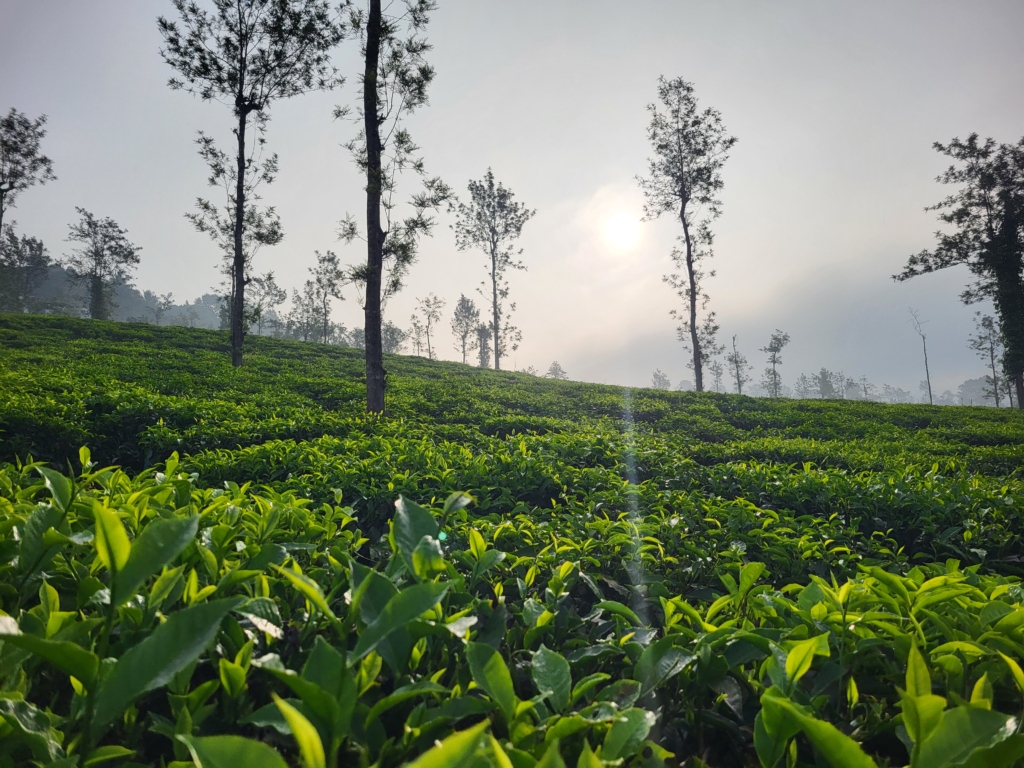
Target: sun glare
622,230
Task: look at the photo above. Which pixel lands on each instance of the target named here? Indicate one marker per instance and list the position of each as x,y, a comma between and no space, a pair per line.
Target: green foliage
696,590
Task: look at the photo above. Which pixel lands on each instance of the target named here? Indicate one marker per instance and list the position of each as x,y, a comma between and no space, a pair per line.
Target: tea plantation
239,568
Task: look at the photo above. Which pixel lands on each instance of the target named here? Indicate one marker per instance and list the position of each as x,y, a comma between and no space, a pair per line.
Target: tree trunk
494,307
1009,301
238,263
3,193
927,375
698,373
97,305
374,233
995,379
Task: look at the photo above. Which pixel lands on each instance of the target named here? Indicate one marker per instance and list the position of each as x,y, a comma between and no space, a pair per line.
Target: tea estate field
219,567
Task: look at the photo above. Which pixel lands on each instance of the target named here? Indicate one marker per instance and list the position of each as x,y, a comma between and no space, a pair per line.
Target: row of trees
996,387
985,218
248,54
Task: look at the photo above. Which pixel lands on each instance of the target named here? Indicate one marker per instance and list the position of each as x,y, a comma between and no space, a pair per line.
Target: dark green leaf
174,645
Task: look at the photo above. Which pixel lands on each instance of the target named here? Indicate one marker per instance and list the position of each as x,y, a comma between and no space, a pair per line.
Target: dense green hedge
644,579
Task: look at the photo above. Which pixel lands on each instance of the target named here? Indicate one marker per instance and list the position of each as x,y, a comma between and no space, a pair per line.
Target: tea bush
590,577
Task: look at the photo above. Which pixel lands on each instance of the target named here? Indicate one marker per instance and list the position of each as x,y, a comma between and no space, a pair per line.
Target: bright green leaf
158,543
455,750
491,674
311,748
231,752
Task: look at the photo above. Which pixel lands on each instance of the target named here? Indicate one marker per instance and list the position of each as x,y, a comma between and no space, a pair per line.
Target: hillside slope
639,572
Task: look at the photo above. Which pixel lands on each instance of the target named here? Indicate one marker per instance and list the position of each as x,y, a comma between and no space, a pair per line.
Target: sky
835,107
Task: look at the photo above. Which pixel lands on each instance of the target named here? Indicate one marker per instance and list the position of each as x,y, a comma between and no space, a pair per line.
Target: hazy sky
835,106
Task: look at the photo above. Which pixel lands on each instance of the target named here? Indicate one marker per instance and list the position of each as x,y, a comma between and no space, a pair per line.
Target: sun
622,230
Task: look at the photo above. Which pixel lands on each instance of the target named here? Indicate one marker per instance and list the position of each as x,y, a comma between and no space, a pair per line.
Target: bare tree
738,366
430,309
464,322
105,260
915,320
771,380
492,221
987,341
690,148
21,164
394,84
247,54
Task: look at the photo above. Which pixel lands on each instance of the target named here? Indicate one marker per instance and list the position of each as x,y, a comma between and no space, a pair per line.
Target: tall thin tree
21,164
247,54
987,341
104,260
690,148
738,366
492,221
915,320
394,84
986,214
771,379
327,278
465,319
430,309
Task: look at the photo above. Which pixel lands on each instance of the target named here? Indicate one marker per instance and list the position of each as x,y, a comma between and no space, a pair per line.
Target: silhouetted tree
392,337
465,319
492,221
771,380
690,147
987,218
660,380
157,306
555,371
987,341
327,276
738,366
265,295
247,54
824,383
394,83
483,345
21,164
105,260
866,388
304,318
916,322
24,265
430,309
